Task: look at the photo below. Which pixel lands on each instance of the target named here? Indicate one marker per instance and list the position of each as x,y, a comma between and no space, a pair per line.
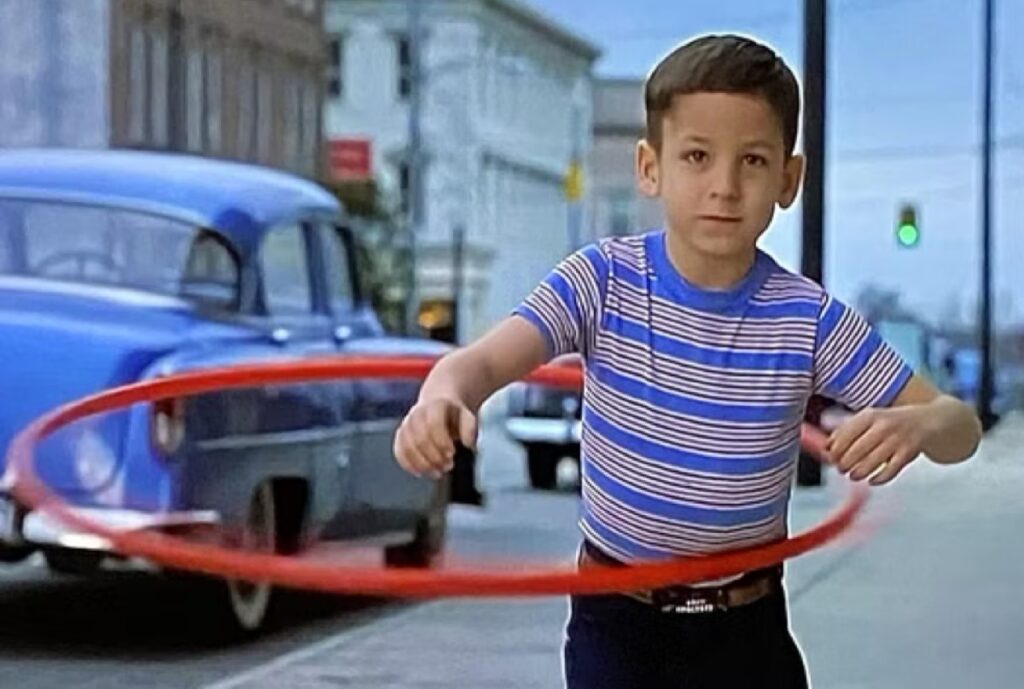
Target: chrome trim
41,529
312,435
531,430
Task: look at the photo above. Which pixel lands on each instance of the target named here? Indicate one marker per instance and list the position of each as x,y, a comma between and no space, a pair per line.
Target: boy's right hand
425,441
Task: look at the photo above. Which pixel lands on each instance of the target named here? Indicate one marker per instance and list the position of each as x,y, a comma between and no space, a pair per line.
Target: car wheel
431,530
542,466
250,601
77,562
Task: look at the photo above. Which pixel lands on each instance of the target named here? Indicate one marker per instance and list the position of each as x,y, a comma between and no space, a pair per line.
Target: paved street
927,601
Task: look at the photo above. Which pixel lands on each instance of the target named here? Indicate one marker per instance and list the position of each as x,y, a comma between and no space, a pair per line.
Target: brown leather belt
751,587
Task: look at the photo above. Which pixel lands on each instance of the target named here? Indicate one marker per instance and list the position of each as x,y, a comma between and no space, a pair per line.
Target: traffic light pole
813,242
985,384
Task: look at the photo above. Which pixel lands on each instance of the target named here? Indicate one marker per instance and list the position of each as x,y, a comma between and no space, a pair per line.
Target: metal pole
415,159
813,242
985,384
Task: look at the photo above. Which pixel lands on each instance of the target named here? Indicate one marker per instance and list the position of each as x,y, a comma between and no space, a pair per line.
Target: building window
137,105
264,112
247,106
335,66
159,87
404,66
212,97
292,134
309,137
196,90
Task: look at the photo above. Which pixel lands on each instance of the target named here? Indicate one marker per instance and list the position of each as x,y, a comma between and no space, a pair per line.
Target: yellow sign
572,185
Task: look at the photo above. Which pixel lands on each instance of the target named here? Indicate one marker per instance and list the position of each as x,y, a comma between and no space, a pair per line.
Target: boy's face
720,172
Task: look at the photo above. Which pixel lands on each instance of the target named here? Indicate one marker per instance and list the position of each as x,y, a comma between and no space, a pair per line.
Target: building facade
240,79
616,207
506,107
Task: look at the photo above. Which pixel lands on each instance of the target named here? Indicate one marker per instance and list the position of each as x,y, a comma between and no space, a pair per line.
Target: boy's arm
880,442
558,317
470,375
457,386
901,415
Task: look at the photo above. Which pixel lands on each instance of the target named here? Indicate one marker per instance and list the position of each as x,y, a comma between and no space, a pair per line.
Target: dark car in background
117,267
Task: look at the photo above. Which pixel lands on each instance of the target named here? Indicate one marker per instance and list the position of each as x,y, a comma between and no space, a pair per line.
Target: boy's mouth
720,218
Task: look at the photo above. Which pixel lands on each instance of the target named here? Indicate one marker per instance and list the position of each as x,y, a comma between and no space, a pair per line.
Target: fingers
893,467
425,442
861,447
869,464
847,433
468,428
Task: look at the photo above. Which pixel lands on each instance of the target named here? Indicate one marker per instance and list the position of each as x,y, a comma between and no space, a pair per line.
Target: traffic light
908,232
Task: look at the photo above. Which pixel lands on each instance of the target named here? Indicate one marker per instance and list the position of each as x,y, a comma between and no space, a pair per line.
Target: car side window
338,264
211,272
286,277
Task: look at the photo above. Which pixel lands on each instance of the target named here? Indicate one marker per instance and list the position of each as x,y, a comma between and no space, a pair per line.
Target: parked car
123,266
546,421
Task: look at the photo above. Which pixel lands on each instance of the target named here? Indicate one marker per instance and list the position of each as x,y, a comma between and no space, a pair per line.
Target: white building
506,103
616,207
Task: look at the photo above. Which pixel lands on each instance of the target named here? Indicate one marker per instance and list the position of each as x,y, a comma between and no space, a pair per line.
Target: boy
701,353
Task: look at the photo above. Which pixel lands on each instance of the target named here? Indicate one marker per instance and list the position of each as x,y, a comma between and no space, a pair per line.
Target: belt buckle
691,602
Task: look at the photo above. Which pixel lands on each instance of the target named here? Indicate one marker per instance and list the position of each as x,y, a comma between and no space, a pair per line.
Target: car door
377,482
300,324
271,431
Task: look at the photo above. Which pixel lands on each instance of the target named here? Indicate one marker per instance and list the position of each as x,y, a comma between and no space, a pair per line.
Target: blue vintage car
119,266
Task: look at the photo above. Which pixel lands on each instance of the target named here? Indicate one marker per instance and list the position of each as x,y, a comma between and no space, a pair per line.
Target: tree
382,250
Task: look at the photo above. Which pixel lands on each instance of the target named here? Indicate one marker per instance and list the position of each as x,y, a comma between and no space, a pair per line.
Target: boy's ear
648,180
792,173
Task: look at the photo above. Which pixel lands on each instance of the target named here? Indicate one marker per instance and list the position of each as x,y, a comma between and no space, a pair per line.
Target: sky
904,124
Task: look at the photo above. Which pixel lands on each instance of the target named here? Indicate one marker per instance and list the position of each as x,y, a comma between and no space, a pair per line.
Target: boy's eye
755,160
695,156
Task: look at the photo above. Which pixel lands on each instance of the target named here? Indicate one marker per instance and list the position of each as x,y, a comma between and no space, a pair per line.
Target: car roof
239,200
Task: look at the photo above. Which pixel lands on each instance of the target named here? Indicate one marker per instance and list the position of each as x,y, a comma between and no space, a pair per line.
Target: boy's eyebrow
760,143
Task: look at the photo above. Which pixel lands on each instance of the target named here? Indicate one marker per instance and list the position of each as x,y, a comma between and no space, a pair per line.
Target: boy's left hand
879,443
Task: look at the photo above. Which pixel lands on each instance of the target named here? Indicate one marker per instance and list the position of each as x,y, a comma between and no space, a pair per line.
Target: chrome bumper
535,430
40,529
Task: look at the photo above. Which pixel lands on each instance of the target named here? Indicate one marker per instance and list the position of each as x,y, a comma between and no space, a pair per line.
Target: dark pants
615,642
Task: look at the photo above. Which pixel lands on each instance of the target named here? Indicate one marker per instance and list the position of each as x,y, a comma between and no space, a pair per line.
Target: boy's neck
708,271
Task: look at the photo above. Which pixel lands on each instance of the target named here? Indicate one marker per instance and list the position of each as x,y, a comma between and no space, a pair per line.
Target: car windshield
94,245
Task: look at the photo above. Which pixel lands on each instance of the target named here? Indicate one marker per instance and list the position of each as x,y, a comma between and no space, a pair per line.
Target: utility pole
813,243
414,161
985,384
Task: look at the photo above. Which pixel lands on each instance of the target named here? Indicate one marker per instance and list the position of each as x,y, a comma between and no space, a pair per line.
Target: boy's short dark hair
723,64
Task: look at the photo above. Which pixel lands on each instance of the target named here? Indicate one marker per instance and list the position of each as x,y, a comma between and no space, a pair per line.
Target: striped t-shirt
693,399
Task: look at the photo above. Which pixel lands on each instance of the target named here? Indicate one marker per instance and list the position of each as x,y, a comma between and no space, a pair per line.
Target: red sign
350,159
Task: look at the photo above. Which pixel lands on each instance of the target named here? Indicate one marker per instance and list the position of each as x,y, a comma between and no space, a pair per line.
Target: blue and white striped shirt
693,399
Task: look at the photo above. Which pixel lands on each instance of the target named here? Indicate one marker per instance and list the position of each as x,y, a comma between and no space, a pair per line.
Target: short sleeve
853,365
566,306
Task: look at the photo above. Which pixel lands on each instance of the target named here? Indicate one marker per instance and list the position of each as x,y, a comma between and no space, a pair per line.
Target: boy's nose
726,182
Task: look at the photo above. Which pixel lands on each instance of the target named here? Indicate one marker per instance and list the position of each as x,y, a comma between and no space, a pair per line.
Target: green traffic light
908,235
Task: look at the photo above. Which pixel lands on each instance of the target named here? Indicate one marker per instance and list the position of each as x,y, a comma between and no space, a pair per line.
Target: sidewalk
930,600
